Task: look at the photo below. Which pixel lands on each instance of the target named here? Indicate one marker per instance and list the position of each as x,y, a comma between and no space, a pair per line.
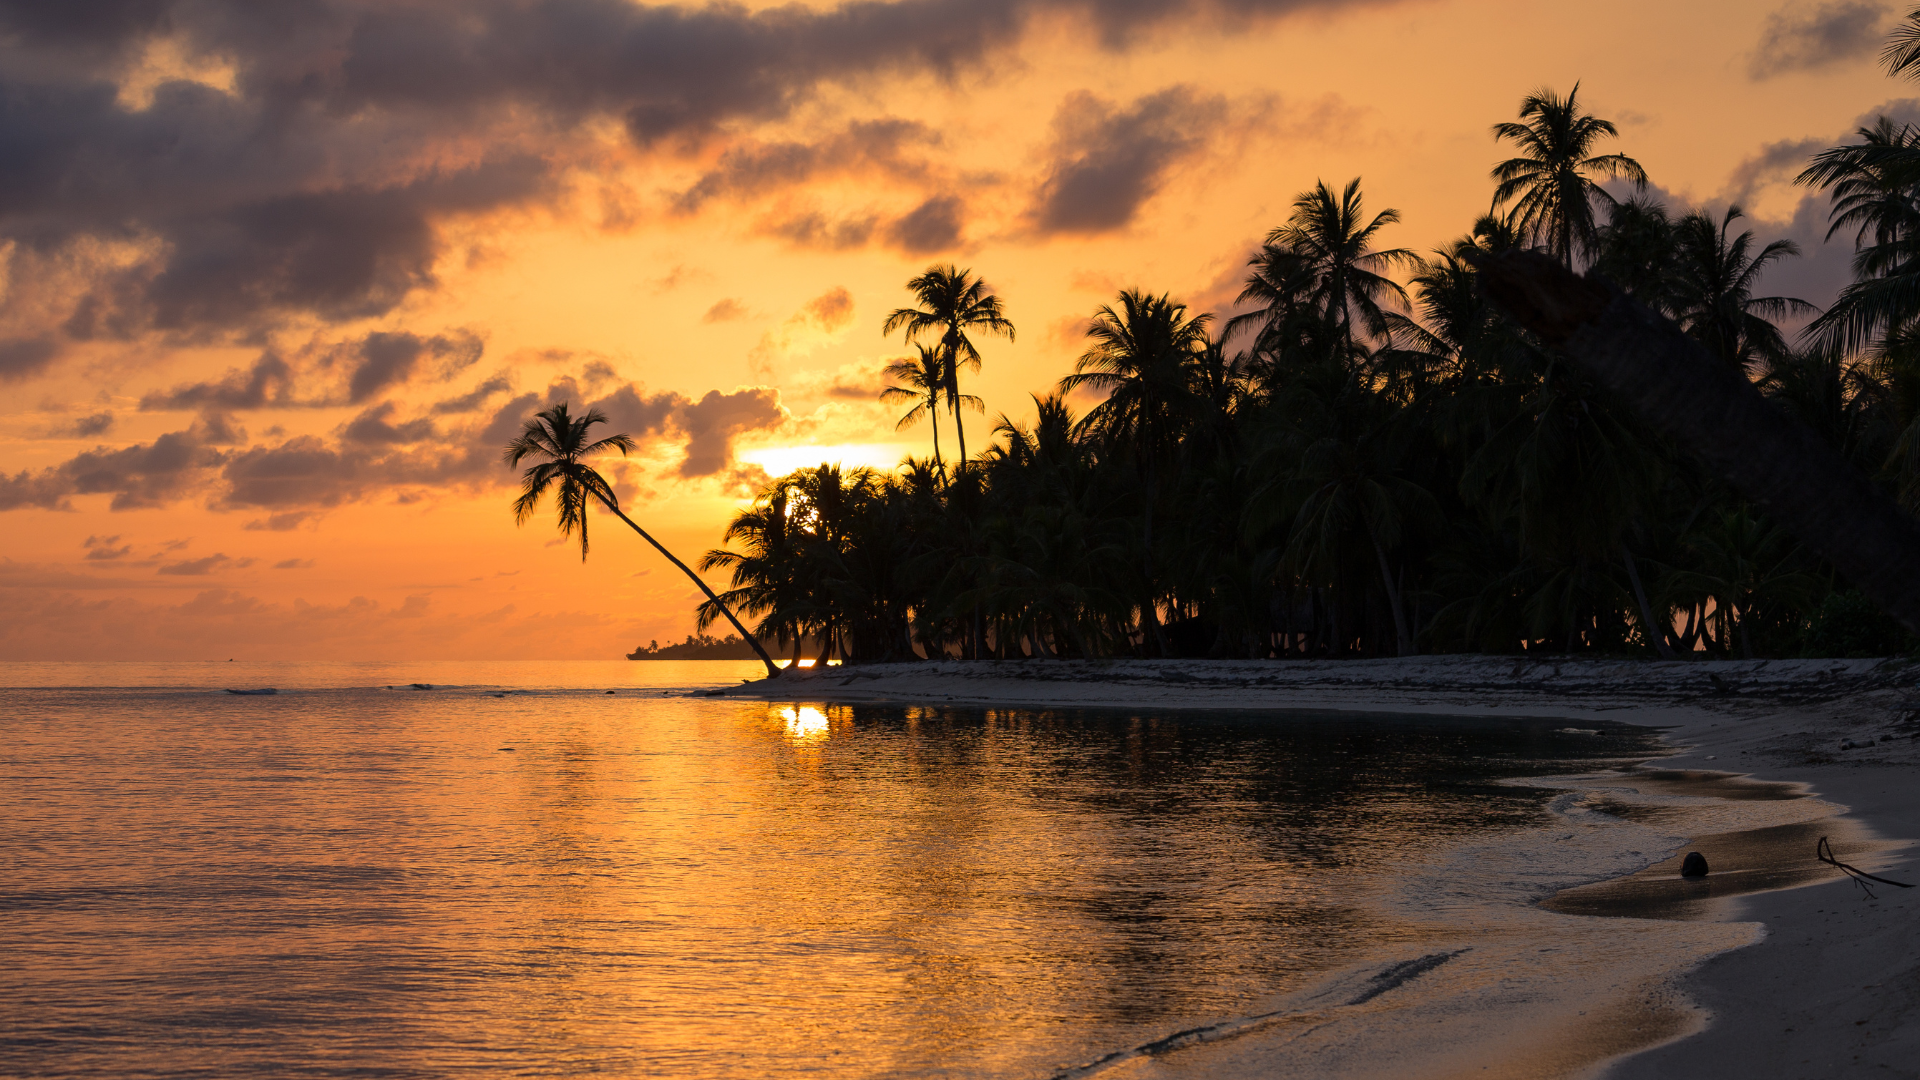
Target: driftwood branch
1824,852
1710,408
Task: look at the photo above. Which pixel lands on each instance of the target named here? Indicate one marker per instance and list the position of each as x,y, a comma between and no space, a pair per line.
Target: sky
280,278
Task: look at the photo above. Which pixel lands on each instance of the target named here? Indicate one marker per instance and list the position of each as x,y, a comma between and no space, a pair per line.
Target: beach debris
1824,852
1849,744
253,693
609,691
1694,865
497,693
504,750
422,686
1720,685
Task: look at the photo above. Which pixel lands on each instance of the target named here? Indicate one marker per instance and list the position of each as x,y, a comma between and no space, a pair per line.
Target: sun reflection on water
805,723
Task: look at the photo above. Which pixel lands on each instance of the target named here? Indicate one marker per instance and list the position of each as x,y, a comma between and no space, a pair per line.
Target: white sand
1809,981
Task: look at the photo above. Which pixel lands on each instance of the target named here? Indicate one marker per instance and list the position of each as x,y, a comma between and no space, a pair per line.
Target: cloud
380,453
202,567
318,178
381,360
22,358
88,426
268,382
293,564
1803,37
883,148
475,398
816,322
933,226
831,310
286,522
715,420
374,427
1107,161
101,549
728,310
371,364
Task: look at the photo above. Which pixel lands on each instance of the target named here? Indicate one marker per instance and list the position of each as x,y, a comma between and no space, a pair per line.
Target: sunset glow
276,295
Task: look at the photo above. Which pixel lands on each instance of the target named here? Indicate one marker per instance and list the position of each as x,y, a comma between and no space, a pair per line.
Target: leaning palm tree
952,302
1553,184
559,440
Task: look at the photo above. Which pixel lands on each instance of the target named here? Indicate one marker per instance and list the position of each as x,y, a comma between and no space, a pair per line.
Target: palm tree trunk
773,669
1714,411
1654,631
1403,641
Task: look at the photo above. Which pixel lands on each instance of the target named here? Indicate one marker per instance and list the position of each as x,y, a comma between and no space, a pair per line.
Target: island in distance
707,647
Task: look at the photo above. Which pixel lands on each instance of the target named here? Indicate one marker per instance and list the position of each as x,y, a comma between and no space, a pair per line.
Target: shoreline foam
1823,982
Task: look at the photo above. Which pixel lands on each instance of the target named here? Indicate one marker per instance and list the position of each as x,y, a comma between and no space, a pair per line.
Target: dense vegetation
1371,461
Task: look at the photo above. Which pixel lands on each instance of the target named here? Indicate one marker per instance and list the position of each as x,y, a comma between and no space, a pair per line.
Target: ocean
578,869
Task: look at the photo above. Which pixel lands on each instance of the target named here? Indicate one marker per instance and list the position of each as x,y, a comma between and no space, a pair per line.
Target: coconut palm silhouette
558,441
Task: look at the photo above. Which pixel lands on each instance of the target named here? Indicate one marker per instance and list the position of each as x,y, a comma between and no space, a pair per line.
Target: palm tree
559,440
1146,356
952,302
1331,242
1553,184
768,576
1875,185
924,379
1671,382
1712,290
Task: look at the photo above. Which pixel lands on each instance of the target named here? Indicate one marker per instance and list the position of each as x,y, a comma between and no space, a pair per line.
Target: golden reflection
805,723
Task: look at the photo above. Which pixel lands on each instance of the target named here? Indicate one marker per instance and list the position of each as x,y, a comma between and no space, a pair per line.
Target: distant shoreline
1830,974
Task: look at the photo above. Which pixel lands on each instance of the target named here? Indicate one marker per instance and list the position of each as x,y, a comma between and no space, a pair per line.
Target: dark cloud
1108,161
478,396
386,359
813,229
148,475
374,427
24,357
268,382
712,423
371,364
102,549
880,148
1776,161
293,564
320,184
88,426
933,226
381,454
1802,36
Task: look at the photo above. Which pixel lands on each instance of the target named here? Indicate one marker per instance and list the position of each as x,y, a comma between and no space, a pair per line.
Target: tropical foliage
1367,460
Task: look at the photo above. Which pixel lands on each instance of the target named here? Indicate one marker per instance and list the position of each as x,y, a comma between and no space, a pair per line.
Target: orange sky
280,279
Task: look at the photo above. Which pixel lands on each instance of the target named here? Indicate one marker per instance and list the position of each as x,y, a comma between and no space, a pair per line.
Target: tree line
1371,461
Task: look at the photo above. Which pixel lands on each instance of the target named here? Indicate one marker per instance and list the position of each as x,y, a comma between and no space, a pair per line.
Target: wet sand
1603,962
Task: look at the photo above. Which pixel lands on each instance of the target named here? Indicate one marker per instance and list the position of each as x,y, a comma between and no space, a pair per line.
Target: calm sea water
355,877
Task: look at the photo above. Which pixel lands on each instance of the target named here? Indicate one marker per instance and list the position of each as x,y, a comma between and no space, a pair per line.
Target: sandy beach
1811,979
